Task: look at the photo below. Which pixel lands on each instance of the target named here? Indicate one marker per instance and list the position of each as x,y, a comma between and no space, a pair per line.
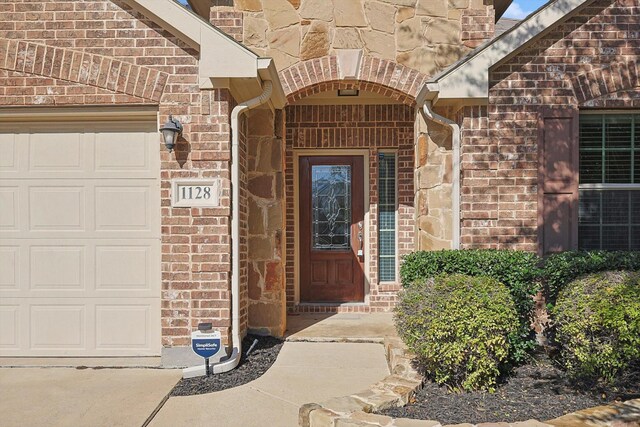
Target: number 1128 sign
203,193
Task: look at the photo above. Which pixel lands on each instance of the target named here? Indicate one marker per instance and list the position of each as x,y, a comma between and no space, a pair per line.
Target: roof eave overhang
468,80
221,57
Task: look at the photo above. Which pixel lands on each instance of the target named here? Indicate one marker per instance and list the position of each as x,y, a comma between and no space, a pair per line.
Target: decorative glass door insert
331,207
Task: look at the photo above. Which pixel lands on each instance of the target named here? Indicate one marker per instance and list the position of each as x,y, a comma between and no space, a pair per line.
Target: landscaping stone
382,420
250,368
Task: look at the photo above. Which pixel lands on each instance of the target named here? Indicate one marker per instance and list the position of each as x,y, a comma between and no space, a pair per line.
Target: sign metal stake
206,343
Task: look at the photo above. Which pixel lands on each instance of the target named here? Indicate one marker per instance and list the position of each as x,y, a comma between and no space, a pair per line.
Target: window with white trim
609,191
387,217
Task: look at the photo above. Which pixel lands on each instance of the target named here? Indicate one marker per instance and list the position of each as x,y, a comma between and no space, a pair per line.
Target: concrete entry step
340,327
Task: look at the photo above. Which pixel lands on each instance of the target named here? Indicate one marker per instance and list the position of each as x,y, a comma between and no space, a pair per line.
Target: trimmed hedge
517,270
598,324
459,327
562,268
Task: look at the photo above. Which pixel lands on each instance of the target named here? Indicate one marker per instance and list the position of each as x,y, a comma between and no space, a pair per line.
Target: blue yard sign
206,344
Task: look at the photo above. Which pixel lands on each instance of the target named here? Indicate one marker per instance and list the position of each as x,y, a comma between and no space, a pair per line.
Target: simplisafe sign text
206,344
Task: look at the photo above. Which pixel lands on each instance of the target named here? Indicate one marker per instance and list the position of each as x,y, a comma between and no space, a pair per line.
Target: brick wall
588,61
478,25
104,53
227,19
371,127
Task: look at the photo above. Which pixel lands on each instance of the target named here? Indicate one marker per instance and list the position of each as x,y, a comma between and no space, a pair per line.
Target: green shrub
562,268
517,270
597,320
459,327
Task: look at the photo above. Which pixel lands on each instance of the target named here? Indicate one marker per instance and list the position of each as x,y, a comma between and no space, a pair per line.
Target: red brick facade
104,53
371,127
478,26
590,61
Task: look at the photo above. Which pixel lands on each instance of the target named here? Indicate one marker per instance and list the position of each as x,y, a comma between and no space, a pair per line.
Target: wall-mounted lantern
171,131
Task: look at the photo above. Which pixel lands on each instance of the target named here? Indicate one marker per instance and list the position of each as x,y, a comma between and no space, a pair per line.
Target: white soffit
469,78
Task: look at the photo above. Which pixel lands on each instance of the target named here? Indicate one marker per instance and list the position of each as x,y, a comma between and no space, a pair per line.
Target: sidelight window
387,217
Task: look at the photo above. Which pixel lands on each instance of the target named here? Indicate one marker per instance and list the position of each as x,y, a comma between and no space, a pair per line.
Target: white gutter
425,108
232,361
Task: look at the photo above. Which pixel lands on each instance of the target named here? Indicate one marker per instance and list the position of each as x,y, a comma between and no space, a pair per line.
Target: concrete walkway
37,397
304,372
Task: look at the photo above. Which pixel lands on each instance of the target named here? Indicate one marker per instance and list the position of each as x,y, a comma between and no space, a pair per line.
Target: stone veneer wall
433,179
589,61
426,35
78,53
266,223
371,127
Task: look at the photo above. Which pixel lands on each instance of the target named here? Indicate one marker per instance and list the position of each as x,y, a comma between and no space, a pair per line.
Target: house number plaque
201,193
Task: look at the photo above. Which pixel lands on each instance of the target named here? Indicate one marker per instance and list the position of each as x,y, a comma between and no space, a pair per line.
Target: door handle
360,239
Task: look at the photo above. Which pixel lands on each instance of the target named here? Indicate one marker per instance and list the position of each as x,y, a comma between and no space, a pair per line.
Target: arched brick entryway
386,126
376,75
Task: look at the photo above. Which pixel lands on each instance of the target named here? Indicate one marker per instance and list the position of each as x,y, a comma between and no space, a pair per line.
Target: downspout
428,114
233,360
239,109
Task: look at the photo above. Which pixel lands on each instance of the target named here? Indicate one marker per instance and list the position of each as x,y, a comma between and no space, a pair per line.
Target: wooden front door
331,229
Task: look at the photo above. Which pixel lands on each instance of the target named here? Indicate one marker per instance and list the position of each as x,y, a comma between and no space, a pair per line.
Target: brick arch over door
374,74
82,67
601,83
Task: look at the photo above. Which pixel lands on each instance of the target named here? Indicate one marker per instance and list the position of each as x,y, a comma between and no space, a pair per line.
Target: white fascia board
220,55
267,71
469,79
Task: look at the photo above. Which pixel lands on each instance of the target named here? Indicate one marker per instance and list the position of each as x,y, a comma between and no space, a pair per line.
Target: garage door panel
80,268
124,268
55,268
9,332
59,326
9,208
57,208
123,151
80,327
123,208
9,268
122,326
9,150
57,151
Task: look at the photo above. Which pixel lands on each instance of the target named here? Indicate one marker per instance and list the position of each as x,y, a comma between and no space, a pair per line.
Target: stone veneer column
266,224
433,179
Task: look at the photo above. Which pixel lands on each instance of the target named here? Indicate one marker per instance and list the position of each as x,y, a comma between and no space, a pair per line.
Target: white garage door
79,239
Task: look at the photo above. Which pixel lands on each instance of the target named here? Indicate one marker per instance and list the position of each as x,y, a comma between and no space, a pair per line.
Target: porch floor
340,327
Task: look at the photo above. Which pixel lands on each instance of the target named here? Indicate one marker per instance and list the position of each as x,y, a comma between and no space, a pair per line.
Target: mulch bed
255,365
538,390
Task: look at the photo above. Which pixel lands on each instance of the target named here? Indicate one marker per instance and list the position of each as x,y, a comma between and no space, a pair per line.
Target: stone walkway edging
398,388
355,410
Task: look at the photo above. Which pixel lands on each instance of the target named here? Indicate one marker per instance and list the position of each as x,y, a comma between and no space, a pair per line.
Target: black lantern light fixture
170,132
